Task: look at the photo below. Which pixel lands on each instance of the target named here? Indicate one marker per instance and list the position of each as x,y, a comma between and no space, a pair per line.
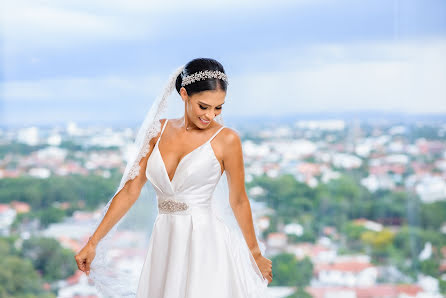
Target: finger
87,268
79,265
82,264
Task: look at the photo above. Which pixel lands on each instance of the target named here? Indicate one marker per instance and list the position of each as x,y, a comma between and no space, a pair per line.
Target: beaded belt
169,205
200,213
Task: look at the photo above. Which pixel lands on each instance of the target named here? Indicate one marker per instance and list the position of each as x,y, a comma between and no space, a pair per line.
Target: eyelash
204,108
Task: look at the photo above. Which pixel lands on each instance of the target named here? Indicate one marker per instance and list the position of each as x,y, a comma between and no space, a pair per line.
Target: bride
192,162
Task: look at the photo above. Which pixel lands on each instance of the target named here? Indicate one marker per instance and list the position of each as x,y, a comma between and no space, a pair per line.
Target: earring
187,127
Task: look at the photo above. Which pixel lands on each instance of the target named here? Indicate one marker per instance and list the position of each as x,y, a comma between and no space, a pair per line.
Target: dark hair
201,64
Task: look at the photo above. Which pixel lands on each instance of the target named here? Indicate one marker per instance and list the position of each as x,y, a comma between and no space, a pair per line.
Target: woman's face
203,107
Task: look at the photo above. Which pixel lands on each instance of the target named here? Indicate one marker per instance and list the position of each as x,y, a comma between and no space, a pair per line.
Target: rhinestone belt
170,206
173,206
200,209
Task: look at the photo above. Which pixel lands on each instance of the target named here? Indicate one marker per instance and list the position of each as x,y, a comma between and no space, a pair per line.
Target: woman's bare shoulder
230,136
231,149
229,132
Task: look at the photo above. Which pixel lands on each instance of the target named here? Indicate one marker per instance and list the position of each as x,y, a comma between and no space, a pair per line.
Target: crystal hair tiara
202,75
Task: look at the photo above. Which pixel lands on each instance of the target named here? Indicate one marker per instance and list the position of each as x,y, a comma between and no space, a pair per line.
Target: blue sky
85,60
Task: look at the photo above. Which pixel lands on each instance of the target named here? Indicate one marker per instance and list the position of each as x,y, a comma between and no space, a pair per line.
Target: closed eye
204,108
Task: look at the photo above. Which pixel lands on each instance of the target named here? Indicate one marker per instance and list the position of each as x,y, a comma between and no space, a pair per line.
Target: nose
210,116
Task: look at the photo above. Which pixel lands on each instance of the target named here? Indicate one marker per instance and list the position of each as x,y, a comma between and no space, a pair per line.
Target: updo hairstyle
201,64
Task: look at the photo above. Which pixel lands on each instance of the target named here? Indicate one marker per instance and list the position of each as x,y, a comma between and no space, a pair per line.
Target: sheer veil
115,270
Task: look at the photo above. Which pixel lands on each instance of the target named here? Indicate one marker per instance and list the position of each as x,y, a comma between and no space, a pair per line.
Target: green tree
20,279
288,271
50,215
430,267
50,258
433,215
300,293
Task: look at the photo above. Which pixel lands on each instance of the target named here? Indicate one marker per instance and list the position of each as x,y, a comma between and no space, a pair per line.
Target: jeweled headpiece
202,75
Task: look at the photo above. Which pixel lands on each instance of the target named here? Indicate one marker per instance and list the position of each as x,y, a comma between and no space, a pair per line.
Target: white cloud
63,24
406,77
29,25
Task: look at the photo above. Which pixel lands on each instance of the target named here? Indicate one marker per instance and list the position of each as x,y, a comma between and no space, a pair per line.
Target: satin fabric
192,253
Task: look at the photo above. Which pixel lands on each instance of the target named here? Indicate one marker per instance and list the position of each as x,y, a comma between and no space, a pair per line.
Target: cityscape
345,207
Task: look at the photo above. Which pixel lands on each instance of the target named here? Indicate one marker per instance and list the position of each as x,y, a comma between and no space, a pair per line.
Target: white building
7,216
29,136
351,274
431,189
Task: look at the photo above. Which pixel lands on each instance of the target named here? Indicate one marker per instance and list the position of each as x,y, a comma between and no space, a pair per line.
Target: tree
48,257
379,242
20,279
300,293
288,271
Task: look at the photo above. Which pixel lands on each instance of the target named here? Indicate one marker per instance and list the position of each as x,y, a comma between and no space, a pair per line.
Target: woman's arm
124,199
235,171
120,204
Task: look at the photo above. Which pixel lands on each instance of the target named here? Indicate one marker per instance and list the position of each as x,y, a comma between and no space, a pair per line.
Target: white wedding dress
192,253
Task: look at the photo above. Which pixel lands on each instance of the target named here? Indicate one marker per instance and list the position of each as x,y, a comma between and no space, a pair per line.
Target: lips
204,122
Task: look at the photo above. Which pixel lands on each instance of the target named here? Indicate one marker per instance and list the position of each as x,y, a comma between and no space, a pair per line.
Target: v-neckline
179,163
183,158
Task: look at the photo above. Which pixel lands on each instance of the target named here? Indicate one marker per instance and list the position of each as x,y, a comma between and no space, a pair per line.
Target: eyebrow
207,104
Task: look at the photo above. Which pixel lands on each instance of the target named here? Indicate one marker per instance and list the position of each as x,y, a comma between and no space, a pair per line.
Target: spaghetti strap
164,126
213,136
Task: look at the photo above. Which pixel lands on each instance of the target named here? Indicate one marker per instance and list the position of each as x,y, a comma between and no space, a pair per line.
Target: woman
192,252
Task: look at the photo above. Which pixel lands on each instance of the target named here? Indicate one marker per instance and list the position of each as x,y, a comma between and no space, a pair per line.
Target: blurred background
340,104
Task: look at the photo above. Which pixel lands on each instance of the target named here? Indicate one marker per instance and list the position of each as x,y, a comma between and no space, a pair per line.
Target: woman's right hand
265,266
85,257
